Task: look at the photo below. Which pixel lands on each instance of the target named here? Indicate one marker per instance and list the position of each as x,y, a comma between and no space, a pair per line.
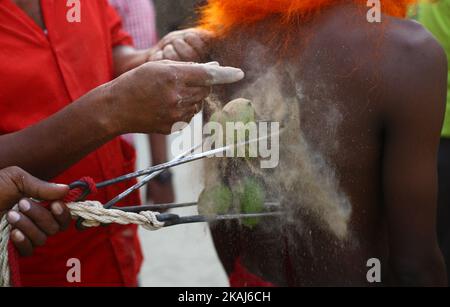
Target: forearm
158,146
126,58
49,147
142,101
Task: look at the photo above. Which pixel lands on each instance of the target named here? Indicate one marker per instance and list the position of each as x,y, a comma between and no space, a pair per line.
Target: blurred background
172,15
181,255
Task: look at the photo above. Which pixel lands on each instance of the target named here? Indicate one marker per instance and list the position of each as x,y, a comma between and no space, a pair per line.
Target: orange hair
220,16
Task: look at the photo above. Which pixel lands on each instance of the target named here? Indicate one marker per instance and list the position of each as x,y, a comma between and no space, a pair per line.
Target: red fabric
14,267
241,277
42,74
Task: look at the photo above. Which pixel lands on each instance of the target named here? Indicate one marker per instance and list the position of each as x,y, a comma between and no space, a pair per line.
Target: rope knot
92,212
94,215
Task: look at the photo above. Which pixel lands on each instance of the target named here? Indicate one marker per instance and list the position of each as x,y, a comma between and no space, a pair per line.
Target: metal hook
84,186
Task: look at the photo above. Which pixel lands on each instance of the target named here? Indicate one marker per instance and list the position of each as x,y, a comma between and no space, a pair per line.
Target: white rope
5,229
93,214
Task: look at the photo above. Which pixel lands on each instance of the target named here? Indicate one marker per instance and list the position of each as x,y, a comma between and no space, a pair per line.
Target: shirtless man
388,83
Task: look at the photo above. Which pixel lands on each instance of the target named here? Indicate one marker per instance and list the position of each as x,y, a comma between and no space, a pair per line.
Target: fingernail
18,236
61,185
215,63
57,208
13,217
24,205
225,75
238,72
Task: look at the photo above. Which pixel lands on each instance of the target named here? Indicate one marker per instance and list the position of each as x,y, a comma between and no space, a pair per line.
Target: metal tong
152,172
170,219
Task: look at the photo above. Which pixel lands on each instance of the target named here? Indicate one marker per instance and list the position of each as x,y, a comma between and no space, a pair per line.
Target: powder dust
304,183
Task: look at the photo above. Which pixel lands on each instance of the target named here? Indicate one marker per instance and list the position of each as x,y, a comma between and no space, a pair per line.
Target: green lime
218,117
251,199
240,110
215,200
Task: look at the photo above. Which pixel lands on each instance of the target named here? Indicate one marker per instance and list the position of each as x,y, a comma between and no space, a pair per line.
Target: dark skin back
388,83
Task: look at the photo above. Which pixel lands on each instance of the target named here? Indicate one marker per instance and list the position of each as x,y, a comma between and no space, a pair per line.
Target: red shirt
41,74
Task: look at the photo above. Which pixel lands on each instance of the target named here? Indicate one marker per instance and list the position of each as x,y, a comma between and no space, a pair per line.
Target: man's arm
144,100
160,191
52,145
190,45
126,58
414,101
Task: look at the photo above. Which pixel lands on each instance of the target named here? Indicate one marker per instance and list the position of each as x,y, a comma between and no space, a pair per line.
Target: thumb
30,186
210,74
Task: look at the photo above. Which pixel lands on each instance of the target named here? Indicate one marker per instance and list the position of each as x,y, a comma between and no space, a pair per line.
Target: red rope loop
75,194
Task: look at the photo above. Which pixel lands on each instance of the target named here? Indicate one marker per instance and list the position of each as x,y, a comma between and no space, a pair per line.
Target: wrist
133,60
105,110
142,57
127,58
150,54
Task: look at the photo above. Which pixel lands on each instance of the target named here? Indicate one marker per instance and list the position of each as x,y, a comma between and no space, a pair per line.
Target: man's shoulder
390,61
410,39
391,50
412,56
412,69
391,38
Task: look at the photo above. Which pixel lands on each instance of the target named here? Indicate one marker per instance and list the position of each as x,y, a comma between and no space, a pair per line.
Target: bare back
337,69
